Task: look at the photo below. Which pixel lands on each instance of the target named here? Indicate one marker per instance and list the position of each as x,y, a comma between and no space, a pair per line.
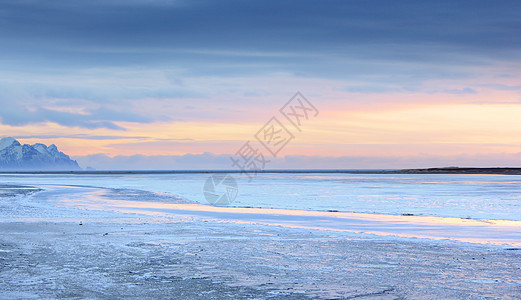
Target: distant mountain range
38,157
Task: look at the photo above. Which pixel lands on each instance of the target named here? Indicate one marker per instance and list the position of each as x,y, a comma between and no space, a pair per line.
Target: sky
153,84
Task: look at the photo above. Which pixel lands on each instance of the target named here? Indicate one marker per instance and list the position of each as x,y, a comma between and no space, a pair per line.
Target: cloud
373,89
210,161
497,102
405,42
83,137
71,102
383,88
326,38
503,87
460,91
155,162
32,111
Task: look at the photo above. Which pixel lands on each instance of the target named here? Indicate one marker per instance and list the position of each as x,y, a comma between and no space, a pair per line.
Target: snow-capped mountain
15,156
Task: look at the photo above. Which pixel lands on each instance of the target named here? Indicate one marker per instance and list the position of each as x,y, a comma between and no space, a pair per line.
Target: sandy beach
56,250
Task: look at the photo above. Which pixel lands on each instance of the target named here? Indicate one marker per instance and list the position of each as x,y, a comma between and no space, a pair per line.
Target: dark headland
457,170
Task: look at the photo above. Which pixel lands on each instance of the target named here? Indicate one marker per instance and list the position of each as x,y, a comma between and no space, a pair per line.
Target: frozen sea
286,236
494,197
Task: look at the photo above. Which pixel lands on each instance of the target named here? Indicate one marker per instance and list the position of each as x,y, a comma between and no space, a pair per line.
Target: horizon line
435,170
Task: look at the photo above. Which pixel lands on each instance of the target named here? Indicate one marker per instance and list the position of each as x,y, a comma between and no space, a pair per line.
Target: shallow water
444,195
110,204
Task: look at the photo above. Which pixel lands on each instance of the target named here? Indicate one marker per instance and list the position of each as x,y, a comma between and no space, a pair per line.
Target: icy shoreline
169,208
458,196
125,251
